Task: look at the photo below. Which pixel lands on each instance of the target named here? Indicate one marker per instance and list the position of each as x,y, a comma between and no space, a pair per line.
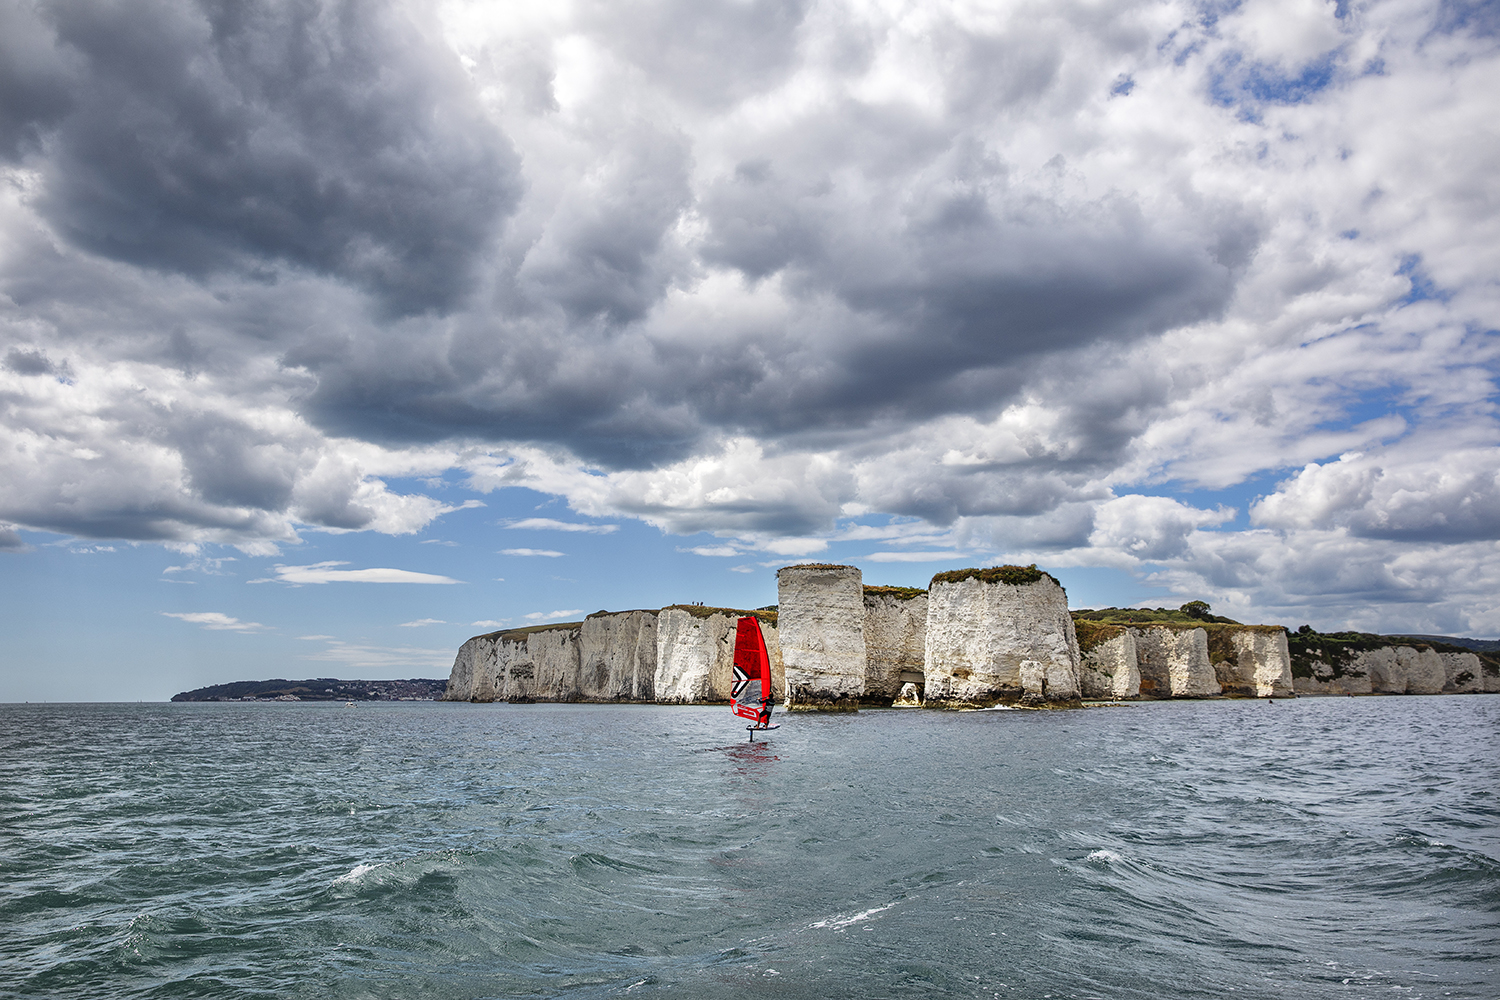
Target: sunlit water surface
1317,848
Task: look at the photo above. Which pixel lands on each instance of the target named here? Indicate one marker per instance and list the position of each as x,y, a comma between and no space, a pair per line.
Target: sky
332,334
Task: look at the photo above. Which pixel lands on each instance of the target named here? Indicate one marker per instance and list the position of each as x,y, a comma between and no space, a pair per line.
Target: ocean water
1318,848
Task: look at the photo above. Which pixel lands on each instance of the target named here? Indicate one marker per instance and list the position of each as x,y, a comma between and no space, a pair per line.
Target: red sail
750,695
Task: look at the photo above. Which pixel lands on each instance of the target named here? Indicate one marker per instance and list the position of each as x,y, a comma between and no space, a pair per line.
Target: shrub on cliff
1015,576
899,593
1199,616
1092,634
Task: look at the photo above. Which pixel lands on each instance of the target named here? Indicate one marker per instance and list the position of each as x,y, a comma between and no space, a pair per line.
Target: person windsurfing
750,693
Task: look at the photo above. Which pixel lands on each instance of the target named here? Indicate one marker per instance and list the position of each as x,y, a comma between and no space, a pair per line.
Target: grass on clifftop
1015,576
899,593
1095,628
1193,613
1092,634
699,611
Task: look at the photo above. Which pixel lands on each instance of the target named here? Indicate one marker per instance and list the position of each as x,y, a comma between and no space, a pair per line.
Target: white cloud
1150,528
420,622
318,638
881,557
324,572
549,553
384,658
216,621
537,616
548,524
489,624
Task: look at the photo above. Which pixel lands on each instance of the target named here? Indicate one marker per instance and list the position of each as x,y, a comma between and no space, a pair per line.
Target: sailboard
750,694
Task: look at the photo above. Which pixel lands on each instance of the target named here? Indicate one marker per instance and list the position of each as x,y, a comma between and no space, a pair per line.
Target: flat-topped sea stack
998,635
822,637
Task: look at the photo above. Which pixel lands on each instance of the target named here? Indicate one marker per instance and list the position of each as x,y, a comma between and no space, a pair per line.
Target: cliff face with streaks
1174,661
695,656
1001,638
1344,663
895,641
1256,663
821,609
1110,666
679,655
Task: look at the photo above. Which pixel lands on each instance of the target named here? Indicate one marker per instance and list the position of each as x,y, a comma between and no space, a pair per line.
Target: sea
1337,847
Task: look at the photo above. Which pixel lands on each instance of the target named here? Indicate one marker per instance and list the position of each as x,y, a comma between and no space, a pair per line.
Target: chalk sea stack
975,638
823,638
997,635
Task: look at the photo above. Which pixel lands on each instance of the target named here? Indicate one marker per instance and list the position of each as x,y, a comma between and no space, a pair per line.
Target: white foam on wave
354,874
838,923
1105,857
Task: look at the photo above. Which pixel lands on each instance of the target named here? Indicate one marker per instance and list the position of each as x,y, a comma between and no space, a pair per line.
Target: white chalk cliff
1397,668
991,641
974,638
678,655
822,635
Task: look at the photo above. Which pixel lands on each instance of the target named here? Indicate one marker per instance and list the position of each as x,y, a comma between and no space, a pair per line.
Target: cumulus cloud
336,138
913,557
325,572
215,621
546,616
383,658
422,622
1017,281
548,524
548,553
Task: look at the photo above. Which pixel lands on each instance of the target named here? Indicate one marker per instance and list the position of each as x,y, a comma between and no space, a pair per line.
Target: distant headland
319,689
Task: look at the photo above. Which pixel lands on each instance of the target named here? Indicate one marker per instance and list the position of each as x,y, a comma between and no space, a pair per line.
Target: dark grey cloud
602,255
30,361
942,297
35,80
203,138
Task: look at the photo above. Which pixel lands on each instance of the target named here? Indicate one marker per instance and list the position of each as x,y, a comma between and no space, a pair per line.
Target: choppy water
1319,848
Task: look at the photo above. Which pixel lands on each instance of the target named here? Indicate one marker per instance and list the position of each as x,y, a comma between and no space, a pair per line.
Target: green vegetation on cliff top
767,615
1192,614
1015,576
899,593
